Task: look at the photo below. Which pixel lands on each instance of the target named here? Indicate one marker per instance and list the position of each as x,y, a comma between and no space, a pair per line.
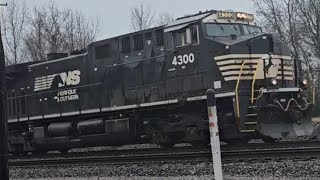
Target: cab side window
187,36
194,34
179,38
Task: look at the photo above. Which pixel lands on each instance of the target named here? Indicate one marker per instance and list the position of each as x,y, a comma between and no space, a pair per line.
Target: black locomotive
149,86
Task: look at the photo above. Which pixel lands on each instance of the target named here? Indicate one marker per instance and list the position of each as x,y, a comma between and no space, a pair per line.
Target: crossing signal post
214,134
4,170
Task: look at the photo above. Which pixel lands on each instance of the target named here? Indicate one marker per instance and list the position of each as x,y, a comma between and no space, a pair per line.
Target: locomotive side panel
18,90
60,88
154,75
185,67
102,56
141,61
132,70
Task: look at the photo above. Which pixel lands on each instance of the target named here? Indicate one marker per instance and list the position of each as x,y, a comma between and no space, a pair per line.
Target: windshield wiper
221,27
235,28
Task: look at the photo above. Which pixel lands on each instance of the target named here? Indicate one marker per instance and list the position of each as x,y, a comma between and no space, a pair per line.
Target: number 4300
183,59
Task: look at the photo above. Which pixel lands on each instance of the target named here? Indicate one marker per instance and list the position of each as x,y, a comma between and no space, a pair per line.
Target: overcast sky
114,15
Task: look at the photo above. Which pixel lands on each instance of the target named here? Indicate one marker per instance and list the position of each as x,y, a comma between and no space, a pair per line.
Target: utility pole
4,170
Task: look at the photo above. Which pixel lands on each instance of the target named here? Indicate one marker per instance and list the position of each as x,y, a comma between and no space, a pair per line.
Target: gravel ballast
174,178
285,169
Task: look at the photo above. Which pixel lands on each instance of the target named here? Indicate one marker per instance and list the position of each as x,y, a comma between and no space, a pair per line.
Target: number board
235,15
226,15
245,16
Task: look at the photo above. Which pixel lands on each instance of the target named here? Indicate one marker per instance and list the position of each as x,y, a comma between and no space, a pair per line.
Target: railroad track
203,154
224,147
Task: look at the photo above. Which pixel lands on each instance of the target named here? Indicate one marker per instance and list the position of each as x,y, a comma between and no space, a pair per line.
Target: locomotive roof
207,16
211,16
188,19
182,20
129,34
56,60
18,67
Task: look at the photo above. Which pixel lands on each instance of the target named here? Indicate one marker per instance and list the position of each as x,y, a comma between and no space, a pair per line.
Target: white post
214,134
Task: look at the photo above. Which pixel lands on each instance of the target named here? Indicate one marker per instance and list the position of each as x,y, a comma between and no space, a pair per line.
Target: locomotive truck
149,87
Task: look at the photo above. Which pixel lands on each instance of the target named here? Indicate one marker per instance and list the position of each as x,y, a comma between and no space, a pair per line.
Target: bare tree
80,31
35,43
309,12
164,18
54,20
14,21
142,17
283,17
58,30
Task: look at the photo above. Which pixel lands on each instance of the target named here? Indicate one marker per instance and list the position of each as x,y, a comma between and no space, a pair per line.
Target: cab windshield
251,29
225,30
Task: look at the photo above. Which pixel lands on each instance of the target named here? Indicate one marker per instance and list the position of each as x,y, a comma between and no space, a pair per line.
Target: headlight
305,82
274,82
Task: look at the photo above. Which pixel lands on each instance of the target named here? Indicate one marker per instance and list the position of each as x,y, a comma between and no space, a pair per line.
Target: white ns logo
70,78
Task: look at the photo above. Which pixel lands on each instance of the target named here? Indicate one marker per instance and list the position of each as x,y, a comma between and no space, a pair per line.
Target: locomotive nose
293,123
278,46
260,44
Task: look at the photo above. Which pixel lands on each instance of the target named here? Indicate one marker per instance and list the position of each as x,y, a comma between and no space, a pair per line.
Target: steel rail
193,156
224,147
